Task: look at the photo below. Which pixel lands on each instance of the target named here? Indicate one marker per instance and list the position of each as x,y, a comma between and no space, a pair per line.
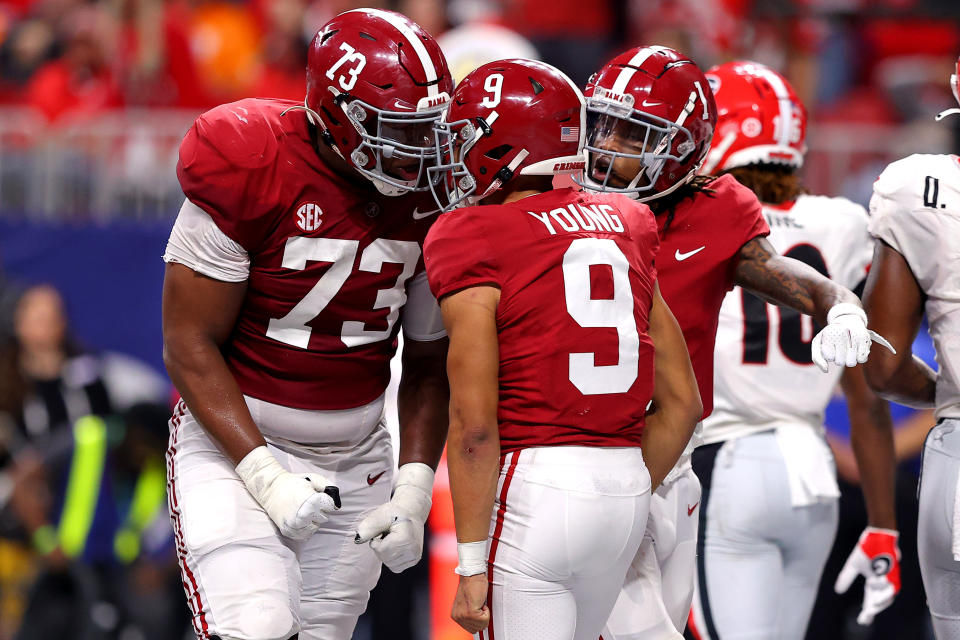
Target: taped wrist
258,470
472,558
414,489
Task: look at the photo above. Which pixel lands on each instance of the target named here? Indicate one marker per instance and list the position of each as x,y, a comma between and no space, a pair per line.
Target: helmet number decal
703,100
351,55
794,125
494,86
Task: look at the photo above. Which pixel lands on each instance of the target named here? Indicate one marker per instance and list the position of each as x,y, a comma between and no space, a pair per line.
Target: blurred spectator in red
282,70
80,83
157,64
28,45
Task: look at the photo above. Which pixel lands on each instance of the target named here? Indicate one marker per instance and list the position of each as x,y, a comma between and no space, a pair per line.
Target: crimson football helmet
651,118
507,118
376,84
760,118
955,88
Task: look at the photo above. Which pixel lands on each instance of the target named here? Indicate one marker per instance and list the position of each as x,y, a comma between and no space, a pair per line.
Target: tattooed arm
788,282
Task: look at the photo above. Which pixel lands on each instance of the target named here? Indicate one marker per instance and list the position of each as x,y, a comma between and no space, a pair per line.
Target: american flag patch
569,134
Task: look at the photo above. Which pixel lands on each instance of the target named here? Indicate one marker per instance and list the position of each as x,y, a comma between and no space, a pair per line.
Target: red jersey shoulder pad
228,162
240,135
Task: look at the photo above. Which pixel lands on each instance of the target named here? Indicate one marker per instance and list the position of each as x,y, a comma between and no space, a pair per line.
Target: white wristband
472,558
846,309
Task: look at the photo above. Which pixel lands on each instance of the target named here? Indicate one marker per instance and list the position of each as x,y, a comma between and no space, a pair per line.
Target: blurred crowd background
95,96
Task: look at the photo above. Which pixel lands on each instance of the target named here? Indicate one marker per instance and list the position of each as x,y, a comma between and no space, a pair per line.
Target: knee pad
265,620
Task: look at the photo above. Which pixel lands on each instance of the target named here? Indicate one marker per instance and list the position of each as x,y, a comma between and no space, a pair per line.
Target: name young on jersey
578,217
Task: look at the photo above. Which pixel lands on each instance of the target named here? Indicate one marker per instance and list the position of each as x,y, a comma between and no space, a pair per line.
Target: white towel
809,463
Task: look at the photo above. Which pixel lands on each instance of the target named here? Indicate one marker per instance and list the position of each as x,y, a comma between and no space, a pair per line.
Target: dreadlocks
773,183
668,203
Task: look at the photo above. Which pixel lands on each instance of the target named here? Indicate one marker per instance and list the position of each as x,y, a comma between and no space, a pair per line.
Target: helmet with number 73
508,118
651,119
376,84
760,118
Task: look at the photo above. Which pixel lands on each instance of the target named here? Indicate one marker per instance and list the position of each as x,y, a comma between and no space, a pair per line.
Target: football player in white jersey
915,219
769,504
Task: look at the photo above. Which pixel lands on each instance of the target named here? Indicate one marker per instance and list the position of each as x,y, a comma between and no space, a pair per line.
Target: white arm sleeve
197,242
422,320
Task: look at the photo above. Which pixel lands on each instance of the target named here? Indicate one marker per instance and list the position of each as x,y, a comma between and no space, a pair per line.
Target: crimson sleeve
458,253
749,215
225,160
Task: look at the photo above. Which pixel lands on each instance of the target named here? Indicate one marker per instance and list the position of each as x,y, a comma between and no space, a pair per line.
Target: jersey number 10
756,321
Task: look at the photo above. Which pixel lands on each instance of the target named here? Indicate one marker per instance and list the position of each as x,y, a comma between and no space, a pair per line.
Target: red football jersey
699,251
576,276
329,260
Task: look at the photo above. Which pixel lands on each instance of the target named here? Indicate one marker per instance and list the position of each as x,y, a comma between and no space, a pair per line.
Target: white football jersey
916,210
763,375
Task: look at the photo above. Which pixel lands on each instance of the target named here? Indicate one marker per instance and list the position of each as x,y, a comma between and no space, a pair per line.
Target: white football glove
845,341
395,529
298,503
877,558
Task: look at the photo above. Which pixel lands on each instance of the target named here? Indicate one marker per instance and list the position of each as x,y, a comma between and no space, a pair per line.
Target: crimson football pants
566,523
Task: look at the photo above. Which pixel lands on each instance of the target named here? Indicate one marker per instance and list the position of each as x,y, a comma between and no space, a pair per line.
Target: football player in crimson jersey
652,118
295,253
915,220
551,303
769,399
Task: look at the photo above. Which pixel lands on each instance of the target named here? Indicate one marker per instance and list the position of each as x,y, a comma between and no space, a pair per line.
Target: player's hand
470,609
877,558
395,529
845,341
298,503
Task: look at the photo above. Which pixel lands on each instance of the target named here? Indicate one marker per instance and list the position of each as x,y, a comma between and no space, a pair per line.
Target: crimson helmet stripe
620,86
784,102
425,61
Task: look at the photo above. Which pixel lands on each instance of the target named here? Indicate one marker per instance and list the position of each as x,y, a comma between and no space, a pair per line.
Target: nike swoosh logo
690,509
372,479
651,104
420,215
683,256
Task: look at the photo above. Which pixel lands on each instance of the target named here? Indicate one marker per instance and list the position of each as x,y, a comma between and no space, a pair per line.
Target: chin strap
949,112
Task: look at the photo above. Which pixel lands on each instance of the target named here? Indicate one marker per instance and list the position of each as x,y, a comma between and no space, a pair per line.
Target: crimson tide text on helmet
376,84
508,118
760,119
955,88
650,105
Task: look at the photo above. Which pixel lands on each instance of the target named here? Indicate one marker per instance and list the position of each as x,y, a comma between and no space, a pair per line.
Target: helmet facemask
627,150
399,144
452,183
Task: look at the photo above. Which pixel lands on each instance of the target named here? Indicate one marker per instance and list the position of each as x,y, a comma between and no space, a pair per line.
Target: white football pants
938,530
759,558
243,580
566,523
654,602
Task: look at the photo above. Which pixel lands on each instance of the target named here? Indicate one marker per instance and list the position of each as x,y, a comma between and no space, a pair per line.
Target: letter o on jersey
566,222
308,216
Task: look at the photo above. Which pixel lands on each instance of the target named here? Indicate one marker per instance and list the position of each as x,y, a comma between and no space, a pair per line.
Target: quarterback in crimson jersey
293,262
652,118
554,316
